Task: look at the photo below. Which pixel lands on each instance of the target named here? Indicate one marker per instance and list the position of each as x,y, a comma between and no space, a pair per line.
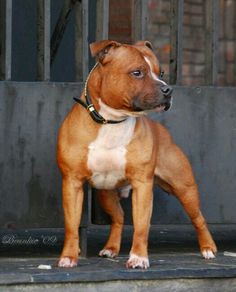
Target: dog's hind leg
174,174
110,202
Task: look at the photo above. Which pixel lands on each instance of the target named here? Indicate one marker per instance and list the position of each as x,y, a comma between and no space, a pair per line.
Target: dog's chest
107,154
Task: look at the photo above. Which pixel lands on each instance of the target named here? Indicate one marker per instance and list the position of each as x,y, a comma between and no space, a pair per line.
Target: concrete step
176,265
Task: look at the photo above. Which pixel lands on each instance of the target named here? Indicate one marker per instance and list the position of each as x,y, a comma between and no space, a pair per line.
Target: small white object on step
44,267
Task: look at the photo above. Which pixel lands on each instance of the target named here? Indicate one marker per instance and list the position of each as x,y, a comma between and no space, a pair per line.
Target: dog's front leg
142,201
72,204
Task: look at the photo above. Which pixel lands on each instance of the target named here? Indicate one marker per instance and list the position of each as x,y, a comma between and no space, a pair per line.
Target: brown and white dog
122,150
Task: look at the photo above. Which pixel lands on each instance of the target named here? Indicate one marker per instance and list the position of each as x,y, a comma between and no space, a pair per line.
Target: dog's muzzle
167,92
161,103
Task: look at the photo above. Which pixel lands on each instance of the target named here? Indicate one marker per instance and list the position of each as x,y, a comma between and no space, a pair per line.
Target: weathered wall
30,115
202,121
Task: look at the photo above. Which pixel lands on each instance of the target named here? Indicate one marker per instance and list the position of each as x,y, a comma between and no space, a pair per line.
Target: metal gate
202,121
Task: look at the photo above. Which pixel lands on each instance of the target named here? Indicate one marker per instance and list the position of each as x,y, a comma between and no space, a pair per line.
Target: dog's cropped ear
144,43
102,50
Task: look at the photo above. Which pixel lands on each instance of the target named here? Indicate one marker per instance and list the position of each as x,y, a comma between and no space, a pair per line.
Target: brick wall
120,24
227,49
193,32
159,31
193,37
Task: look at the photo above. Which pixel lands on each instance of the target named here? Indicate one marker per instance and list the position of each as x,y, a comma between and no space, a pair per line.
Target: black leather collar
93,112
90,107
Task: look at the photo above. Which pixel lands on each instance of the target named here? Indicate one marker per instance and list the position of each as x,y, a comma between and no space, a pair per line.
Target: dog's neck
110,113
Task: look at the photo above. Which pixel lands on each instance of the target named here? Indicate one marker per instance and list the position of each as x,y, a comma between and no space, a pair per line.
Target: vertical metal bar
89,204
84,222
43,39
223,56
83,241
176,41
8,38
40,39
61,26
102,19
47,34
85,24
211,40
144,19
81,40
234,25
140,18
82,61
2,38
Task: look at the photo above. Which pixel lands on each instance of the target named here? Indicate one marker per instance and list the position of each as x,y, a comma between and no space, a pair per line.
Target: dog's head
129,77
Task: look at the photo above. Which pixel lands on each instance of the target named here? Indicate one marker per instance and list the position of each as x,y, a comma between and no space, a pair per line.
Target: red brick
195,1
119,5
230,7
120,20
230,77
196,44
163,57
230,50
196,20
193,57
193,9
190,80
153,30
186,70
159,18
221,79
164,6
192,31
165,30
221,60
193,70
152,5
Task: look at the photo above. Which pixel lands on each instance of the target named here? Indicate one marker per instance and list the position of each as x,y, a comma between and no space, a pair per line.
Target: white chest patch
107,153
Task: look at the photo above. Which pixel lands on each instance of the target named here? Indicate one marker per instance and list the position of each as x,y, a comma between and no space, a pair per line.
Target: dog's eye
137,74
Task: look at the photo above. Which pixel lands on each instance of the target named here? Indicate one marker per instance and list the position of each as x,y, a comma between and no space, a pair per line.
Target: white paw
107,253
136,261
208,254
124,191
67,262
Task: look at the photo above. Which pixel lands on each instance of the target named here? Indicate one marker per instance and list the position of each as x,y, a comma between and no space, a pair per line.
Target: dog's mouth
163,107
151,104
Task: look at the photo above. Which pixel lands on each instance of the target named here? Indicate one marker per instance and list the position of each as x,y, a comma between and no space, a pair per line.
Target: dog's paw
108,253
67,262
208,254
136,261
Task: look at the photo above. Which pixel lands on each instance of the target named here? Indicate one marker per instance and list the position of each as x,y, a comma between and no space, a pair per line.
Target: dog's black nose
166,90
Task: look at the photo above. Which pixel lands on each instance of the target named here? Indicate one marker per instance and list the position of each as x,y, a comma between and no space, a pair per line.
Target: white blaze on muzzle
154,76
